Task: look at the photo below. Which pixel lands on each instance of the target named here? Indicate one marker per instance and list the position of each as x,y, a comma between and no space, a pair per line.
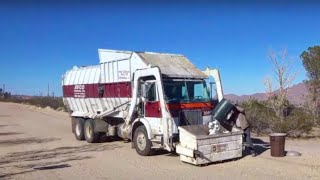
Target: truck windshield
185,91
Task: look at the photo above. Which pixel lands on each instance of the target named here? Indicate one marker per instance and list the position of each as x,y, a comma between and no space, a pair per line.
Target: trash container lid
293,153
278,134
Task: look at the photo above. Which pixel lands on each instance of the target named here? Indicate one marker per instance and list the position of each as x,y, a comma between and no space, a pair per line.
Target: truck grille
190,117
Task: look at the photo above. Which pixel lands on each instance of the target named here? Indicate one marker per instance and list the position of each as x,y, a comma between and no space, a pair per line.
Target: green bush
297,123
263,119
259,116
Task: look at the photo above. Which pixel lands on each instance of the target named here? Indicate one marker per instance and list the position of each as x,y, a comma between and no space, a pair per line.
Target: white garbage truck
154,100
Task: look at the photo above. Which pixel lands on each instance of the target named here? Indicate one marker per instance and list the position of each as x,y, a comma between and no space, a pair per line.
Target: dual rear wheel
78,129
84,130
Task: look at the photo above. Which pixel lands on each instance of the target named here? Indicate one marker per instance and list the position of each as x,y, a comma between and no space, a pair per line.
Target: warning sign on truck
124,75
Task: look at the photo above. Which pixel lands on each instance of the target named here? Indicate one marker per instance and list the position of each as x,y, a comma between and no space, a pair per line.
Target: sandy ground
38,144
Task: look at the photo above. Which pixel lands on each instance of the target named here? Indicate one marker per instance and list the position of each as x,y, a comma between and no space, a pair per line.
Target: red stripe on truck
110,90
205,107
68,91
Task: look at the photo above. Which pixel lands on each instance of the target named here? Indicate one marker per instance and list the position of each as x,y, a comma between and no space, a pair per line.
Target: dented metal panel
107,55
173,65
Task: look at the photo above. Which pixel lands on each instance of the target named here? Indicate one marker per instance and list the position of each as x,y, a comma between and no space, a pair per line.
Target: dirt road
38,144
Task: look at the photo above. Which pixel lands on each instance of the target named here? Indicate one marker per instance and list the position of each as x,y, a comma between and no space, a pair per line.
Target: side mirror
145,89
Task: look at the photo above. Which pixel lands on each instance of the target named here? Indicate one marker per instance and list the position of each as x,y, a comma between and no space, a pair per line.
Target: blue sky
39,42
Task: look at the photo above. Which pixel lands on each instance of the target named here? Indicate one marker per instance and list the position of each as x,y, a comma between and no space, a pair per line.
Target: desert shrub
258,115
297,123
52,102
263,119
12,99
317,121
308,107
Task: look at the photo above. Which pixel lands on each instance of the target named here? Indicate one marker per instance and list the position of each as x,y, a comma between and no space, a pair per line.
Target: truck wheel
78,129
141,141
89,134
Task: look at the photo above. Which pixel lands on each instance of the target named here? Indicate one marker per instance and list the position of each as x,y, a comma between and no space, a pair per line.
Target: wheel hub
78,130
88,131
141,141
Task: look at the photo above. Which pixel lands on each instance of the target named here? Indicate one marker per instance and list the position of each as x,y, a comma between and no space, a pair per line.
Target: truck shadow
164,152
259,145
5,125
104,139
18,141
9,133
48,159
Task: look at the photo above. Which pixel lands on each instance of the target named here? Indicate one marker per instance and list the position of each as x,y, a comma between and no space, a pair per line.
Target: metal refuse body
106,89
197,147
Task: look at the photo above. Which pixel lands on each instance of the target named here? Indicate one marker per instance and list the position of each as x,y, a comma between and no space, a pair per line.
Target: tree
311,62
283,77
285,117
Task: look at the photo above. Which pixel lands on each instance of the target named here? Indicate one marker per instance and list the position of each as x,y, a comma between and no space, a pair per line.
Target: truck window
212,88
151,94
213,92
198,90
186,91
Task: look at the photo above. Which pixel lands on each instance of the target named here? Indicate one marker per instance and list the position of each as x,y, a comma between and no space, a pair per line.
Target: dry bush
43,102
258,116
297,123
52,102
263,119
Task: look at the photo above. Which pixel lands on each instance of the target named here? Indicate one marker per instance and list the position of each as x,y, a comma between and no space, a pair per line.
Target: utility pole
4,88
48,90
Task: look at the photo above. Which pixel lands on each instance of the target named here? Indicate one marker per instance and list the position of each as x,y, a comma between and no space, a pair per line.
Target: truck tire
141,141
89,134
78,129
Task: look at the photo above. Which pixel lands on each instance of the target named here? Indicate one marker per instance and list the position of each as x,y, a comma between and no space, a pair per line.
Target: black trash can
222,109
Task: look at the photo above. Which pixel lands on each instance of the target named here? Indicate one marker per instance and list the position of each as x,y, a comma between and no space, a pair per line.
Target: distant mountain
296,95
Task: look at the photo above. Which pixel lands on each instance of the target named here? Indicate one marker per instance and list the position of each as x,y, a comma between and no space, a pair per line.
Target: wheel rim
78,129
141,141
88,131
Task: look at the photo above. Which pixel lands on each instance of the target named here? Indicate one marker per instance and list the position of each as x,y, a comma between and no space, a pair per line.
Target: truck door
152,103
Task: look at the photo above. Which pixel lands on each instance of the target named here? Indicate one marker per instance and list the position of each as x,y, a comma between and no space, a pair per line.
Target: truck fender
146,124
